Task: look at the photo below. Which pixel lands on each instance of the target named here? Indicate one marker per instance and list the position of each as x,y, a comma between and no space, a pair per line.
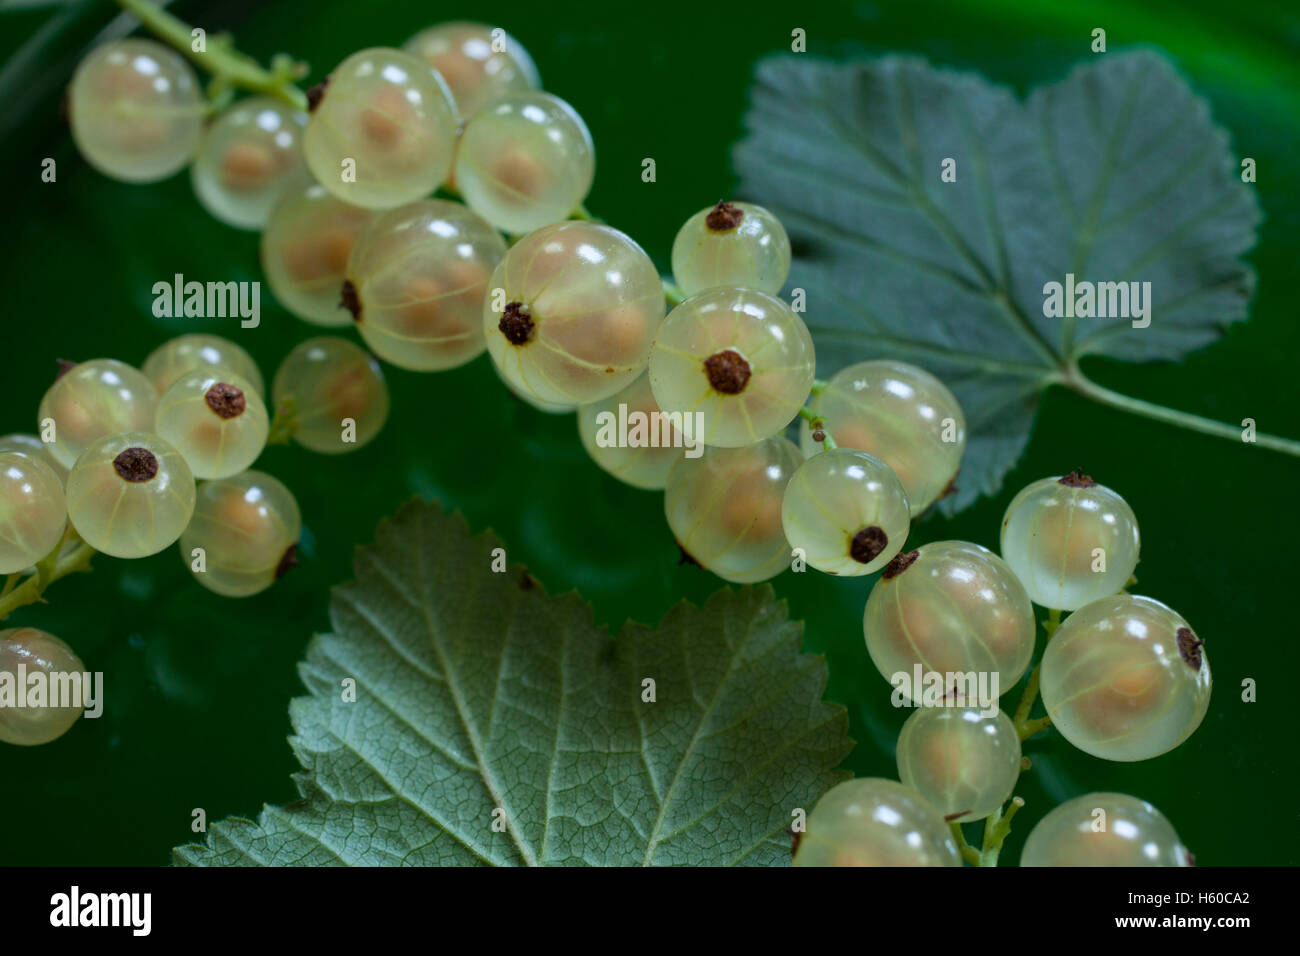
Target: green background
197,685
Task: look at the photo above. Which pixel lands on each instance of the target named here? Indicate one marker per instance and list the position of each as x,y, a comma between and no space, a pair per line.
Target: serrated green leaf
480,700
1116,173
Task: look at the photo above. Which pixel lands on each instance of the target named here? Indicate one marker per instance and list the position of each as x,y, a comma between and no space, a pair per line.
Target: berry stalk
228,66
53,566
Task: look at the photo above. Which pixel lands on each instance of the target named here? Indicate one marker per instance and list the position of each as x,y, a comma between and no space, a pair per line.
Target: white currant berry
1104,829
33,512
846,511
1070,541
336,392
731,245
960,759
724,508
305,249
136,110
952,608
130,495
480,63
215,419
1125,678
571,312
388,118
197,352
654,441
525,161
417,281
740,357
92,400
247,527
871,821
246,159
37,652
899,413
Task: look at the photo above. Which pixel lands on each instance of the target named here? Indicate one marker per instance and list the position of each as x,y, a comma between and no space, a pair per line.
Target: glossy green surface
197,686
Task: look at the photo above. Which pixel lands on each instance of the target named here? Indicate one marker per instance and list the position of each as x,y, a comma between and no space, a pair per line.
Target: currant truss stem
1077,381
1025,727
53,566
968,853
997,827
229,67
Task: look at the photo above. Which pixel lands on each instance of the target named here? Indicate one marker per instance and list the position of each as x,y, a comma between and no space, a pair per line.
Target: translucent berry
216,420
725,508
1104,829
731,245
247,527
960,760
136,110
1125,678
579,304
305,251
337,394
875,822
31,445
480,63
846,511
653,441
33,512
418,280
902,415
247,158
38,652
525,161
740,357
197,352
383,130
953,608
130,495
92,400
1070,540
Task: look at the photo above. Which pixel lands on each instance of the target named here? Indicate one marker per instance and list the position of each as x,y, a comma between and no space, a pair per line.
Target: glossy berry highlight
39,652
1104,829
731,245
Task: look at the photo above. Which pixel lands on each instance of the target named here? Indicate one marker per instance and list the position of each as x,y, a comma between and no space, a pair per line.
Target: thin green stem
996,830
583,213
10,581
1076,380
968,853
673,293
819,386
1025,727
228,66
285,424
54,566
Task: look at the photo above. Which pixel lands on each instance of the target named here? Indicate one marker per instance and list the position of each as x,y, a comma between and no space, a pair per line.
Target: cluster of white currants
1122,678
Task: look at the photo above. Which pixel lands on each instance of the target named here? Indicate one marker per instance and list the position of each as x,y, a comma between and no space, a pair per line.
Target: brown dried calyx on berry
516,324
727,371
288,561
316,94
868,543
1077,479
65,366
136,465
900,563
350,299
724,217
225,400
1189,646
